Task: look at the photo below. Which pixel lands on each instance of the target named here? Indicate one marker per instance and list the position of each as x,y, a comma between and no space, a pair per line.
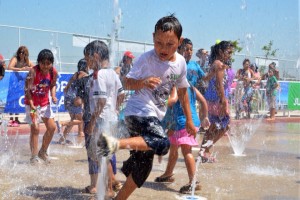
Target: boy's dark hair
98,47
169,23
215,49
45,54
185,41
81,66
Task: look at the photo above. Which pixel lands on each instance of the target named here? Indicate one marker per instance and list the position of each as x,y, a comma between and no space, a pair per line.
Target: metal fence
68,49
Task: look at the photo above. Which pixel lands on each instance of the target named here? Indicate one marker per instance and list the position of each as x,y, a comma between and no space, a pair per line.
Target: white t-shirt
147,102
107,86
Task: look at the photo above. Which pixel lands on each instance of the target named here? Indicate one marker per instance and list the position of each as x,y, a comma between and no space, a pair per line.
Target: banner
294,96
282,95
4,83
15,94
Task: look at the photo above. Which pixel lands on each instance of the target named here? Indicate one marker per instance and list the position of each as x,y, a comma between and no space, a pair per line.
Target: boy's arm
134,84
184,100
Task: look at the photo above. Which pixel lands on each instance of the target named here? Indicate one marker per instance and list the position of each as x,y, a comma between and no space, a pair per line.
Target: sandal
87,190
166,179
187,189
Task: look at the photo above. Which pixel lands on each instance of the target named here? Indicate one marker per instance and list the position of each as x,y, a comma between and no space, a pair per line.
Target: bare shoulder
82,74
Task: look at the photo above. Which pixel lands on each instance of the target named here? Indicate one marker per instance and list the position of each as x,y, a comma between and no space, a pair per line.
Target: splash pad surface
269,169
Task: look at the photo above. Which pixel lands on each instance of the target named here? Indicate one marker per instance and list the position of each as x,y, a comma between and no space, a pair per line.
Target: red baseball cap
1,57
128,54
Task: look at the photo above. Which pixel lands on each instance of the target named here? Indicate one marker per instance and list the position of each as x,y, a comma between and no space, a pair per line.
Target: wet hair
215,49
23,49
169,23
44,55
98,47
185,41
246,60
81,66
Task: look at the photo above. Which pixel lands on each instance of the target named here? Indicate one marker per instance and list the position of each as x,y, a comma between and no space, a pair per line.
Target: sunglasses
22,53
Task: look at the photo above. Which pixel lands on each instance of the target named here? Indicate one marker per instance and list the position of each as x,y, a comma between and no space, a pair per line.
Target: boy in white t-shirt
105,96
152,77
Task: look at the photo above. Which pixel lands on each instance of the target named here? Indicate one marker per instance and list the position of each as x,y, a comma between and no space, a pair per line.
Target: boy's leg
110,173
135,143
127,189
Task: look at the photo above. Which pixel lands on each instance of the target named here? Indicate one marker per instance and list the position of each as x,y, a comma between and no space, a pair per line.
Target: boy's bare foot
89,190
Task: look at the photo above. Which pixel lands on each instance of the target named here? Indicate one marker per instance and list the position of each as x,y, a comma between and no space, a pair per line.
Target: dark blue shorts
139,164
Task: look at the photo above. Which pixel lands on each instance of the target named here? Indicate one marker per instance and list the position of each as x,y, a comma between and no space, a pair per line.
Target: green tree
237,48
269,51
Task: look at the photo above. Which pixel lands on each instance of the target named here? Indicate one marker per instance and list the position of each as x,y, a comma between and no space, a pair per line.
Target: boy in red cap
125,65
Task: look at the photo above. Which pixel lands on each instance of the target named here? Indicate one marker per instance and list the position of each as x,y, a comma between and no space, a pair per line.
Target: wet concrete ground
270,169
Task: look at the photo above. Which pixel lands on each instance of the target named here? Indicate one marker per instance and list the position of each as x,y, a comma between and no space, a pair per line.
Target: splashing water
102,180
198,162
238,138
239,135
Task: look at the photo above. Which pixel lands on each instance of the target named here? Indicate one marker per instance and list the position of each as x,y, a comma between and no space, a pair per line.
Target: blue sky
253,22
